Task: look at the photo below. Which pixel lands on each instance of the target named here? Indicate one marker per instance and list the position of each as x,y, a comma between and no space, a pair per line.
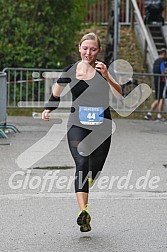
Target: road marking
93,195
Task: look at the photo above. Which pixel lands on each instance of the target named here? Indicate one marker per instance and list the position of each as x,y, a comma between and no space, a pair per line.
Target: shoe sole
85,228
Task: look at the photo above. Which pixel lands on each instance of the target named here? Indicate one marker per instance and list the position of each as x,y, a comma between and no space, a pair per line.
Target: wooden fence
98,12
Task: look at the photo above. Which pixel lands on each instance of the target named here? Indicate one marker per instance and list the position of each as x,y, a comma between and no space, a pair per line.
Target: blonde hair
91,36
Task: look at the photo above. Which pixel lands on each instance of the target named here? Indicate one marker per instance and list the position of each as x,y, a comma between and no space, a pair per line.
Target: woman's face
89,50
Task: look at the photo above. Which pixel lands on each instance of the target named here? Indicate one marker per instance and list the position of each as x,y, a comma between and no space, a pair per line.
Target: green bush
38,33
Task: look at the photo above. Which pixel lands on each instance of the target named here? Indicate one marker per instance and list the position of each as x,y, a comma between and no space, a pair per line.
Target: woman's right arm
53,101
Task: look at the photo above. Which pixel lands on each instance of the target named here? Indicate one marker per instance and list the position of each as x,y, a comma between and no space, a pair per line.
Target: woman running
89,124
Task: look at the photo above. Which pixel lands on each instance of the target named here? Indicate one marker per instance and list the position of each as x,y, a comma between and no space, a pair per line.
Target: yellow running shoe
83,220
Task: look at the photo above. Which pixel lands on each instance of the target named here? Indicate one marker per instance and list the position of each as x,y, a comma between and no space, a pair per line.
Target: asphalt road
127,203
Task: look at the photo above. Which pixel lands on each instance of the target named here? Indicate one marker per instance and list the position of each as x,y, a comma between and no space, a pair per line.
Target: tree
38,33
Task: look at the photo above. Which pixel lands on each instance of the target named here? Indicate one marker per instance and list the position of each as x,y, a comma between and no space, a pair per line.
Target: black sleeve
64,80
53,103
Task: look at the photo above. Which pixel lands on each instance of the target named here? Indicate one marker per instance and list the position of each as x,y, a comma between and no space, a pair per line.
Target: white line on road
93,195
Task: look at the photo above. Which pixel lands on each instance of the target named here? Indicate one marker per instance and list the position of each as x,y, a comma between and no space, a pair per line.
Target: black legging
86,166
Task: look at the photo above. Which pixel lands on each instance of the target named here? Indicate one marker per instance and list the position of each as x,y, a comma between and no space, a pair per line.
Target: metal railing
133,86
147,45
28,88
28,85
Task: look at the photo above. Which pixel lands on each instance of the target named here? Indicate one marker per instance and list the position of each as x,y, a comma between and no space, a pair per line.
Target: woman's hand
101,67
45,114
116,88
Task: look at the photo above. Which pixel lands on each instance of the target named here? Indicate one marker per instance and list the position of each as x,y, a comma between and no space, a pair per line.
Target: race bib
91,115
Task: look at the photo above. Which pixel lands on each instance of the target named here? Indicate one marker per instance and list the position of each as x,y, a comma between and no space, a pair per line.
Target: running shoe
83,221
148,116
160,119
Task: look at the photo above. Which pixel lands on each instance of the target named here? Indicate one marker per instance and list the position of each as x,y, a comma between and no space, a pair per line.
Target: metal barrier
28,88
135,103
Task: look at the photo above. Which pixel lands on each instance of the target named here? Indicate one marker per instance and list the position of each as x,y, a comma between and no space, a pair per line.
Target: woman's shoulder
63,80
68,67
